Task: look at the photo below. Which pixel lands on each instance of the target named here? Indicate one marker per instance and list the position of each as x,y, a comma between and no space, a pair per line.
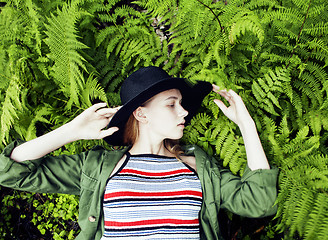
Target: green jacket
85,174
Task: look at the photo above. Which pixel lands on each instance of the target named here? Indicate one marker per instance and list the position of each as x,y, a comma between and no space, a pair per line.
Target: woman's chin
175,138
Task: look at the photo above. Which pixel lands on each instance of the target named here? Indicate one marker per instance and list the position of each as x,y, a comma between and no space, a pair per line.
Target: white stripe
152,212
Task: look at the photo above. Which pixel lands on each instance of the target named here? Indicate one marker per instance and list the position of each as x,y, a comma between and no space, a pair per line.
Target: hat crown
141,80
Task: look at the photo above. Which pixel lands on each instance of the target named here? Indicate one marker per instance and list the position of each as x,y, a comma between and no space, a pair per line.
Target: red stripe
151,222
153,194
155,174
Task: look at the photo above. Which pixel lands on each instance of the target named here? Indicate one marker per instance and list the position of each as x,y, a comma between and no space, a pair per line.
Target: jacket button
92,219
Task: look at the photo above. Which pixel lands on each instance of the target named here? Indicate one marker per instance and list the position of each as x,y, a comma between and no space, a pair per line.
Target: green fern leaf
10,107
317,218
64,47
302,211
246,23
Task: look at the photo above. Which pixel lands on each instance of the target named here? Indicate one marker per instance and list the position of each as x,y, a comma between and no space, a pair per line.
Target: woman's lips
181,124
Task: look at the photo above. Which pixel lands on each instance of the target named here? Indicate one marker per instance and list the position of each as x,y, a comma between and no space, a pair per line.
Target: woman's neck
141,147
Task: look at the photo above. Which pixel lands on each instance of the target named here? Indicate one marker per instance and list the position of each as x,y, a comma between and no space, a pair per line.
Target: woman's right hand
91,123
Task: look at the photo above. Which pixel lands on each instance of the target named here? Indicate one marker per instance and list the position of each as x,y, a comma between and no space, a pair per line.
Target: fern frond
234,154
224,132
268,90
261,4
319,73
290,202
36,22
302,5
158,8
247,22
316,29
64,46
302,211
10,108
91,91
4,69
315,120
284,14
317,218
198,132
284,130
26,127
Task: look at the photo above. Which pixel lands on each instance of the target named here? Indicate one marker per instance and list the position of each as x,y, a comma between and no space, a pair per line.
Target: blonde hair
131,133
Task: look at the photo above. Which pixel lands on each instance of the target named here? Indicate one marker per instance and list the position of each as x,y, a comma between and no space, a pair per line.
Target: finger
233,94
223,93
96,106
215,88
236,97
221,105
227,96
108,132
107,112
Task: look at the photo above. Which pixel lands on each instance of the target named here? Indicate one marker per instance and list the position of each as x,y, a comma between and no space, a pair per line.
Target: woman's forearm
256,158
44,144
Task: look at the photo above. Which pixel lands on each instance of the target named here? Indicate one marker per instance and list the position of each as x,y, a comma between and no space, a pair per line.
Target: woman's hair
131,133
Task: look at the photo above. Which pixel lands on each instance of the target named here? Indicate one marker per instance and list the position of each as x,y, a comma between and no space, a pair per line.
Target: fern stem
299,34
64,101
217,18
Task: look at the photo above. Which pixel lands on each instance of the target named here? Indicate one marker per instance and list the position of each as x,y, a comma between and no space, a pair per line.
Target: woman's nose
183,112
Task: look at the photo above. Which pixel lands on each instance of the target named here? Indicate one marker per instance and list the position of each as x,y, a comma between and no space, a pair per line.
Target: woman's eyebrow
172,97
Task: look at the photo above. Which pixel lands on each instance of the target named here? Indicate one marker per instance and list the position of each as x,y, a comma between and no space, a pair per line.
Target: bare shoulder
190,161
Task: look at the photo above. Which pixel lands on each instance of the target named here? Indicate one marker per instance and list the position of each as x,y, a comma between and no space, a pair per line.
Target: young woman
152,189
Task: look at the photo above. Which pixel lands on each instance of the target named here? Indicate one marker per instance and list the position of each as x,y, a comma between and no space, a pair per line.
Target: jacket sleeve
252,195
48,174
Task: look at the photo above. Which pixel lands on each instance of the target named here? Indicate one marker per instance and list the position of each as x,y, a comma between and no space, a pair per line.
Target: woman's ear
140,115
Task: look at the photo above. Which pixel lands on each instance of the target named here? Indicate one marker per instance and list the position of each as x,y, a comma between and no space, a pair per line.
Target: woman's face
164,115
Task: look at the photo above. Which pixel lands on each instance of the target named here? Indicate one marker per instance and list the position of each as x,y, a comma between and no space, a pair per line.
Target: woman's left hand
237,111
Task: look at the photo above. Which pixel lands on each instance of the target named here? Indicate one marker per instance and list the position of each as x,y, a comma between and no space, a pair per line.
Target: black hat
145,83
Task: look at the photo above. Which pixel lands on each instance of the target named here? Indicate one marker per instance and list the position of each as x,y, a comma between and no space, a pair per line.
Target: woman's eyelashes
175,103
171,104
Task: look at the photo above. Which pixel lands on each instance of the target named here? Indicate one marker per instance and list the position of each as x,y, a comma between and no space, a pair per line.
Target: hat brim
192,97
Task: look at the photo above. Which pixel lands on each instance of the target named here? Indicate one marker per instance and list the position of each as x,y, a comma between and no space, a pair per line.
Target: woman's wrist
247,125
70,132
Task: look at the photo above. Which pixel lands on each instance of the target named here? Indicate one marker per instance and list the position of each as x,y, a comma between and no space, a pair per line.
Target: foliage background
58,57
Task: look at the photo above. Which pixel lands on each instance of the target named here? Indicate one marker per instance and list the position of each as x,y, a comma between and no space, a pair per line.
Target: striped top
152,197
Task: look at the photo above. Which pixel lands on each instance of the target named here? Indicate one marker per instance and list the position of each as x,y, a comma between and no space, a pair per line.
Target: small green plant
57,214
53,214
